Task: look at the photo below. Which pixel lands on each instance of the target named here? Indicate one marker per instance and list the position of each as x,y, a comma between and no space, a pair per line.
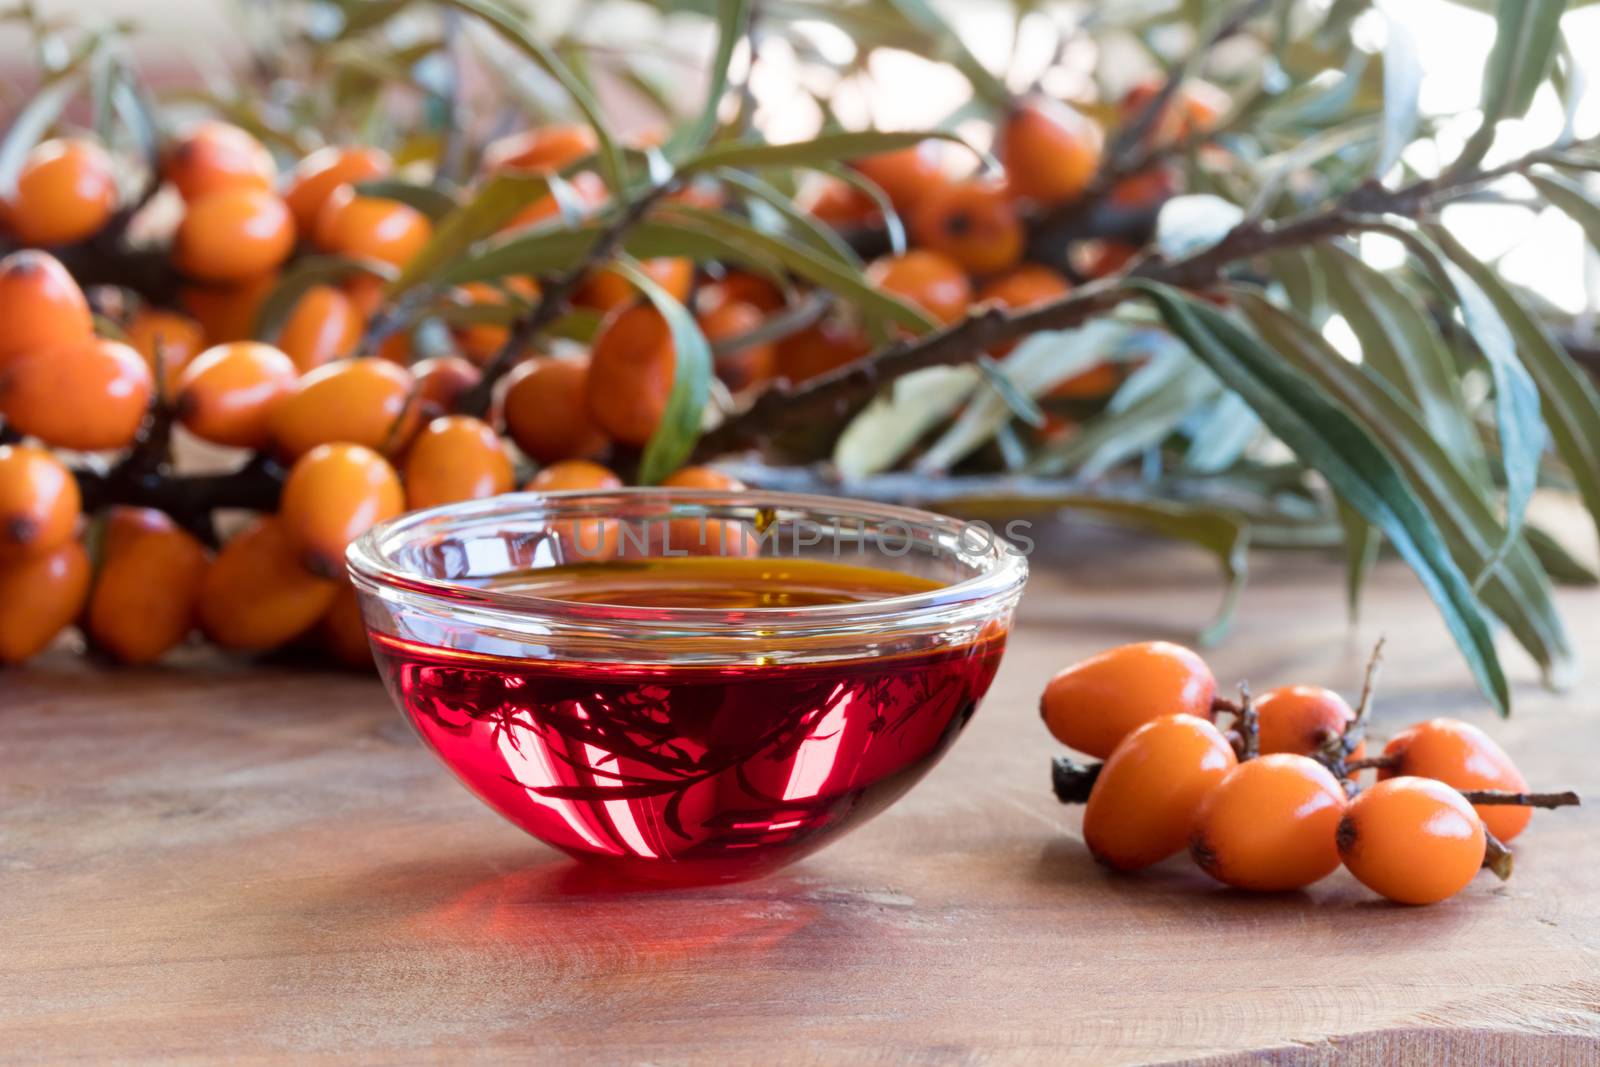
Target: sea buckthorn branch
1565,799
839,393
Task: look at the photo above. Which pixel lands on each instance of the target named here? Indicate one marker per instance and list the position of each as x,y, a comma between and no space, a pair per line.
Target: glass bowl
684,744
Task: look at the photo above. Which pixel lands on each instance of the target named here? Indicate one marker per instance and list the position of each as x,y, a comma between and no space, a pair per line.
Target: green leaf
1327,438
1018,402
32,123
1572,201
432,202
675,437
1518,593
824,148
1218,441
732,18
509,26
1561,565
823,238
307,272
888,427
490,208
1402,85
1526,34
1361,544
894,227
1571,402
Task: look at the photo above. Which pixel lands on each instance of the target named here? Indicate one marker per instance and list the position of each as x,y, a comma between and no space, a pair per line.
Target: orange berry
631,366
256,595
39,502
540,151
702,478
605,289
841,205
905,175
818,349
40,305
66,191
365,292
572,474
371,227
1021,287
1269,825
748,365
233,235
1461,755
1146,189
225,395
1093,384
1050,151
323,326
929,280
343,633
363,401
1299,718
973,222
39,596
546,410
1413,840
456,457
228,312
175,337
590,193
742,287
144,593
1194,108
440,382
482,341
86,395
1091,706
334,494
214,156
1143,804
315,178
1104,258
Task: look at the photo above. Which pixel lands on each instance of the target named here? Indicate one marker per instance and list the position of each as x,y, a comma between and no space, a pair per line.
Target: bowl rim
370,559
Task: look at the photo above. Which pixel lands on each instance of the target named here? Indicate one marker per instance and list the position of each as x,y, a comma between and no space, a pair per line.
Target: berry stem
1072,780
1566,799
1248,724
1497,857
1382,763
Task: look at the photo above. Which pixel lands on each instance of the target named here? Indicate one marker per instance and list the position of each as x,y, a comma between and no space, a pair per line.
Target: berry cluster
1272,804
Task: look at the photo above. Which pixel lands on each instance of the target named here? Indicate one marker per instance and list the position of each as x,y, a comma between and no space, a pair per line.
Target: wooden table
216,862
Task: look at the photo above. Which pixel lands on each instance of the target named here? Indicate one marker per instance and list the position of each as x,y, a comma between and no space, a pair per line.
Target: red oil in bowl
692,773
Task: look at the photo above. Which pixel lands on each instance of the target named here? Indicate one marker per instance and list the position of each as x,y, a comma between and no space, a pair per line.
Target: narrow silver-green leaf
1326,437
1361,543
1402,85
1526,34
732,17
1571,200
887,428
1562,566
820,237
674,438
434,203
490,208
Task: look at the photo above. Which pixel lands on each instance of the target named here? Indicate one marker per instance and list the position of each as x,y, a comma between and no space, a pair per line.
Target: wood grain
221,862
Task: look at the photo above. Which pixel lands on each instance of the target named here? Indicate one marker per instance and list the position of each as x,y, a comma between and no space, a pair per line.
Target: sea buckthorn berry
87,395
1301,718
1091,706
573,474
233,235
905,175
225,395
39,596
540,151
1194,108
256,595
371,227
1413,840
315,178
973,222
546,410
1023,287
1143,804
1146,189
334,494
1050,151
359,401
228,312
1096,383
739,286
818,349
841,205
604,290
40,305
455,457
144,593
66,191
932,282
173,337
1269,825
441,380
343,633
746,365
702,478
482,341
214,156
323,326
1461,755
39,502
631,366
1099,259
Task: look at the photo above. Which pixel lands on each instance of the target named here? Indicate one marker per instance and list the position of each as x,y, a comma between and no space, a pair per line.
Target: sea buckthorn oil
693,772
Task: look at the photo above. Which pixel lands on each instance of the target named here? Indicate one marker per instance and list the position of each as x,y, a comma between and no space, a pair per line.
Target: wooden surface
224,863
